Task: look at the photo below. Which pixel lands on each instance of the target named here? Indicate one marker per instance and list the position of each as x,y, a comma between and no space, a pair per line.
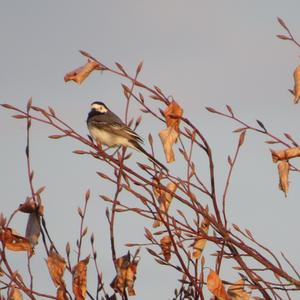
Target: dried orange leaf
14,294
168,137
79,279
165,244
297,84
14,241
283,171
56,266
80,74
165,200
61,293
126,275
285,154
200,242
119,282
237,291
216,287
173,114
156,190
130,278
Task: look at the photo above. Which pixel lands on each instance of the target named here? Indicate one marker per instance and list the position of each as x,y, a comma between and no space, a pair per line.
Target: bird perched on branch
108,129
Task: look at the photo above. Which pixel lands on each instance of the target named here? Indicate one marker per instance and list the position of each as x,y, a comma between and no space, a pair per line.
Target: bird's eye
102,109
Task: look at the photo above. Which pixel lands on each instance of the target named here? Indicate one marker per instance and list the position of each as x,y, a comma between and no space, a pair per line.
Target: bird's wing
118,129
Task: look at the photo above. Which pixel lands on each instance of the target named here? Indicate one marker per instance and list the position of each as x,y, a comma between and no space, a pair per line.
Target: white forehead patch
99,107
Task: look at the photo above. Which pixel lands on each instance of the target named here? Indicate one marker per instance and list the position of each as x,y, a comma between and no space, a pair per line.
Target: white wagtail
106,128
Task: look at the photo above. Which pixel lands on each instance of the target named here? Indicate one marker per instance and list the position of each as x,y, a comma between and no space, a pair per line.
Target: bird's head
99,107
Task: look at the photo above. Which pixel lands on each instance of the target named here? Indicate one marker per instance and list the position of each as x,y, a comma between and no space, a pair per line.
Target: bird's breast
108,138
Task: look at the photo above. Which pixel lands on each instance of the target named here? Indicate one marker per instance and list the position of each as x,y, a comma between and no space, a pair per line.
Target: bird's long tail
153,159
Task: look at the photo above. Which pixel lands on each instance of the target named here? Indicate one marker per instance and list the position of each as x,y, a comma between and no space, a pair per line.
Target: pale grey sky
203,53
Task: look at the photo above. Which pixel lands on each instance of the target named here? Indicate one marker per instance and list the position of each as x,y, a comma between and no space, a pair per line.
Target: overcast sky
203,53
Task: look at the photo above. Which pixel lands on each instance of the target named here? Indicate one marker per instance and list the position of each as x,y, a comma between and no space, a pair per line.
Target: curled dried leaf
130,278
61,293
165,200
173,114
165,245
237,291
56,266
216,287
283,172
169,136
285,154
80,74
79,279
200,242
14,241
126,275
15,294
156,190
